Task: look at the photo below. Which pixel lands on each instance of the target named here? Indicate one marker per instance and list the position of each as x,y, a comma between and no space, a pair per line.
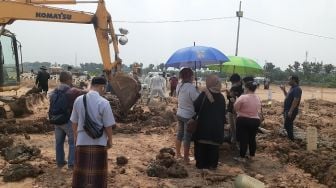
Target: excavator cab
9,62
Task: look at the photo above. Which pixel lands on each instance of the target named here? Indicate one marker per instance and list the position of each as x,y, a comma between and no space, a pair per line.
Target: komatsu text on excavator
124,86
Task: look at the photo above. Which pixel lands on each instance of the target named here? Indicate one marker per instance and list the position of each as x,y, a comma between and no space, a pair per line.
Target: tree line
310,73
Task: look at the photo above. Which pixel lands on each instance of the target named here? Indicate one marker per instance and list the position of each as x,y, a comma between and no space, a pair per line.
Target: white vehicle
259,80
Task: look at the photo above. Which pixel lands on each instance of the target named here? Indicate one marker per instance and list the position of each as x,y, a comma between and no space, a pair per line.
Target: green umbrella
240,65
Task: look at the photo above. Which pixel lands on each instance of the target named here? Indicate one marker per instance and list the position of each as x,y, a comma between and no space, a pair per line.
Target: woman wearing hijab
248,108
210,107
186,95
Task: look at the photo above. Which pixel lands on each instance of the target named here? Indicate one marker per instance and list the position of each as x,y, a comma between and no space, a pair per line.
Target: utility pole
306,56
76,59
239,14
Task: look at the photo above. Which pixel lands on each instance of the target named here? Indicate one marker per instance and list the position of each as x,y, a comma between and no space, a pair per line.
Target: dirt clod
33,126
27,137
156,170
5,141
122,160
166,165
20,153
177,171
18,172
330,178
168,150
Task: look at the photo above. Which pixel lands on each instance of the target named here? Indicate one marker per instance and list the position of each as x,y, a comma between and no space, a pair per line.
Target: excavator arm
12,10
125,87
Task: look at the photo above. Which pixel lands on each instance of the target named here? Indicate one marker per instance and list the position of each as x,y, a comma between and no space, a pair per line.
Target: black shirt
235,91
42,78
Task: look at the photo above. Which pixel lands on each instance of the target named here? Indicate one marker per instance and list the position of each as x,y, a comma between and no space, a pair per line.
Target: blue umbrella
196,57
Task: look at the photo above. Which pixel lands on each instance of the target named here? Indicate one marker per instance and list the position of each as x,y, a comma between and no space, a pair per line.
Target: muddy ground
28,156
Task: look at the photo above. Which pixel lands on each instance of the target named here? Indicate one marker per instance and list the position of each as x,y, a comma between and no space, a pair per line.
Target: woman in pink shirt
248,107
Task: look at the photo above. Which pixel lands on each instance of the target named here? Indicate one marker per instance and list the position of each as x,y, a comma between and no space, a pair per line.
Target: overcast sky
154,43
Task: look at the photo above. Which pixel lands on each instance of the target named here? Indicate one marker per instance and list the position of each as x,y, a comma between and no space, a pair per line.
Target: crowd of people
71,109
243,110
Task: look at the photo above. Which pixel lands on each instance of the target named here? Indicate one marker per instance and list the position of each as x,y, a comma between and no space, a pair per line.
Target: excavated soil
16,126
143,153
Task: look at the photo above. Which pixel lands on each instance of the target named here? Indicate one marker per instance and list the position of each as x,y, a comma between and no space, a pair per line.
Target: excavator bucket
127,90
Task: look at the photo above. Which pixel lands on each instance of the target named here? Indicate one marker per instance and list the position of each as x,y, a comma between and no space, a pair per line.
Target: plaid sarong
90,169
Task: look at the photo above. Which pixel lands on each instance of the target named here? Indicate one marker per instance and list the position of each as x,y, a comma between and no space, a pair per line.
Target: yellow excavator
124,86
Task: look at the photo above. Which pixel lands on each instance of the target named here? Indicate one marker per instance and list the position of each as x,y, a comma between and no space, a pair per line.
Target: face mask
236,84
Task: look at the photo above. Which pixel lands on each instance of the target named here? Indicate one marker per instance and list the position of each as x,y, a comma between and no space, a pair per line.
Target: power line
221,18
175,21
288,29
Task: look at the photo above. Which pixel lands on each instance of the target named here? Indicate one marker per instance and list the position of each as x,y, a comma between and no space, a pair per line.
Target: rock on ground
20,153
17,172
166,165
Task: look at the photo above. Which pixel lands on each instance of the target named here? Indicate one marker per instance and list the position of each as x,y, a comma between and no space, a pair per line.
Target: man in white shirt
157,85
147,81
90,169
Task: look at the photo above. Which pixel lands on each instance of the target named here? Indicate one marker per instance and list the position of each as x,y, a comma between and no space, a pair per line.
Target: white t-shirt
100,112
187,94
147,81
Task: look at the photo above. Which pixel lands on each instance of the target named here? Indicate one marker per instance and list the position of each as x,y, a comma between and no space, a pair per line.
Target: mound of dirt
20,153
138,114
320,163
5,141
127,129
166,166
17,172
38,125
153,121
25,104
316,113
33,90
330,178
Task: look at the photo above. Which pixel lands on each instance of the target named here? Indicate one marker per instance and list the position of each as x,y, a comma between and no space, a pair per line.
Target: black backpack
59,112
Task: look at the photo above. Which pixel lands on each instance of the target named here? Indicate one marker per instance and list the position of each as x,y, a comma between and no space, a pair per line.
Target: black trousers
43,87
288,124
172,91
246,133
206,155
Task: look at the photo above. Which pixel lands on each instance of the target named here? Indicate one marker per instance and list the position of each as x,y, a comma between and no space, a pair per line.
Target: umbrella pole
195,69
195,74
220,68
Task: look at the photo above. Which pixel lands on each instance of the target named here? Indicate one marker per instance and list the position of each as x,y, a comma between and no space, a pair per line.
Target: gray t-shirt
187,94
100,112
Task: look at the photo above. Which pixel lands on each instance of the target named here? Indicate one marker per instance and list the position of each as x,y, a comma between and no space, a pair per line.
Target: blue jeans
182,133
60,132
